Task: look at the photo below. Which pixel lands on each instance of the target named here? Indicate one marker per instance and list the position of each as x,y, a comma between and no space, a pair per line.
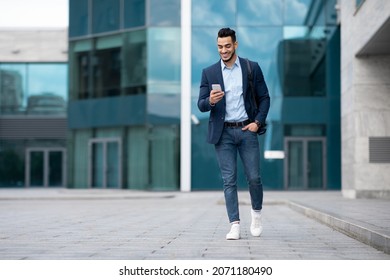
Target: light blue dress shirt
232,79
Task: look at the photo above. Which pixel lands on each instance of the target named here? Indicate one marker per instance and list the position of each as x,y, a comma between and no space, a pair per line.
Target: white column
185,115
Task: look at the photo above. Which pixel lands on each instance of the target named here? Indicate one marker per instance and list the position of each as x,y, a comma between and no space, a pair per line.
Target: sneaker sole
232,238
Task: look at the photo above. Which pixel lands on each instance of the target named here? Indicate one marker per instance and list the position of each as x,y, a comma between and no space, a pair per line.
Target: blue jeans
247,144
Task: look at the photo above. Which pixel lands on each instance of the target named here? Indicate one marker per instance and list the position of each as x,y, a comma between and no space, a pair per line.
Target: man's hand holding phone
216,94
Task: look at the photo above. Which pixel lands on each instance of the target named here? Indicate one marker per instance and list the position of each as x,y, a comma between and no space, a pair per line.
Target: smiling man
237,115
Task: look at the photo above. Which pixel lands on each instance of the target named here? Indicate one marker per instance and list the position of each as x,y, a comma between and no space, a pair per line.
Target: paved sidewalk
123,224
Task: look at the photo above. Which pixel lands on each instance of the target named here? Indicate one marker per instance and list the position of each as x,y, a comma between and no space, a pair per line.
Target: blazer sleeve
262,94
204,94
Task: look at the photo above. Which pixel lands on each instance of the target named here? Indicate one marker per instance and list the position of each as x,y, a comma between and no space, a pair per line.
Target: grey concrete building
365,97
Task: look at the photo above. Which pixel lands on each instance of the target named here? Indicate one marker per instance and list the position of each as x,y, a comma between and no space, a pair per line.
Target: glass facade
124,107
125,90
105,16
33,88
31,95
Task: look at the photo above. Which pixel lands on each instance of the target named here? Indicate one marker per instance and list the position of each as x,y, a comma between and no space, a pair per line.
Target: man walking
238,110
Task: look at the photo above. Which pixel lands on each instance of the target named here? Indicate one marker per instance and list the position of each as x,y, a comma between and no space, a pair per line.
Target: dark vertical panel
105,16
134,13
78,18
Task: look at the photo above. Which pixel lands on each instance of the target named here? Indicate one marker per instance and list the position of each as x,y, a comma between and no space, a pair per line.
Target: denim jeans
246,143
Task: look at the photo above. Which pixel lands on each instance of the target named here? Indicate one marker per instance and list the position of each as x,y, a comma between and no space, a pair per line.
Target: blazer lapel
218,70
244,70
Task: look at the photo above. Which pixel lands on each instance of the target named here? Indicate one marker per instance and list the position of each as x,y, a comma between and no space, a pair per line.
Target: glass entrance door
105,165
45,167
305,163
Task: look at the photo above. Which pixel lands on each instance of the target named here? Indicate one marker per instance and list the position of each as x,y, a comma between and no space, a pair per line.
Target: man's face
226,48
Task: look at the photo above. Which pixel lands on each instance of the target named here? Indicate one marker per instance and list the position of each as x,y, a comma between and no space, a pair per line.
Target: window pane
260,12
261,44
164,60
315,164
134,13
303,54
295,11
13,89
137,158
295,165
80,163
105,15
56,169
78,13
164,13
112,161
107,72
134,63
34,88
107,66
36,168
79,63
164,158
82,75
97,165
163,108
47,88
213,13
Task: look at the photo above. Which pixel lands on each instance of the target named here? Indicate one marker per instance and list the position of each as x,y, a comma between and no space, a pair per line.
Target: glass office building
124,108
33,106
126,94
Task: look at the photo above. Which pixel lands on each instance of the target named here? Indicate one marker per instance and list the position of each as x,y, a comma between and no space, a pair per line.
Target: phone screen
216,86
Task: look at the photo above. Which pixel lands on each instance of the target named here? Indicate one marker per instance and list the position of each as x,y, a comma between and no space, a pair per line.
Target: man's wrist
259,124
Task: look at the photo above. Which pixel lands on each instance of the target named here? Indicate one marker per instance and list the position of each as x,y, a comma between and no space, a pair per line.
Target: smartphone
216,87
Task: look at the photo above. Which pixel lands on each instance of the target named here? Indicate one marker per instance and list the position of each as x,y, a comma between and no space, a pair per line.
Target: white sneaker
234,233
256,225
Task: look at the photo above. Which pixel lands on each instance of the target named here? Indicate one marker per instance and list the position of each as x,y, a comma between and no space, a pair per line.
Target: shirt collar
236,64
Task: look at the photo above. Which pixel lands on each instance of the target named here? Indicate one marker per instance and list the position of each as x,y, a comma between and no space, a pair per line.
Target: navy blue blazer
213,75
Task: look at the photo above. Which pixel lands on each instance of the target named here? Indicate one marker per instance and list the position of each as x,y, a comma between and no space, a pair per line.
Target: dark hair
227,32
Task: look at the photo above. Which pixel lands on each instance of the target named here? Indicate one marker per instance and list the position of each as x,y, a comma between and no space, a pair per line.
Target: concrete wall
24,45
365,99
